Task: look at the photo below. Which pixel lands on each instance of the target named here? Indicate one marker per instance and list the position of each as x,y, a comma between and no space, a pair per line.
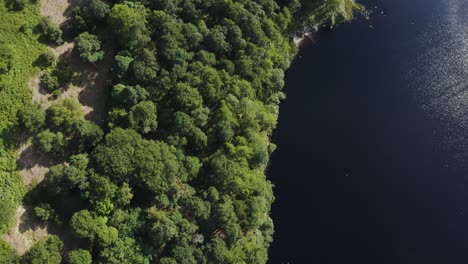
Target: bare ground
33,165
56,9
24,234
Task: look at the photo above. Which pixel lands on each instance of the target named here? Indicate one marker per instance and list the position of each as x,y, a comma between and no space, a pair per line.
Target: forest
176,173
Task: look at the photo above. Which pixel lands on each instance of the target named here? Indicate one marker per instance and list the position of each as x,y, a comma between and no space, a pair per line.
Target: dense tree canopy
178,173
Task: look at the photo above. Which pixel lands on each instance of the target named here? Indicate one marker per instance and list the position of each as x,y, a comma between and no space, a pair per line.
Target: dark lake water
372,158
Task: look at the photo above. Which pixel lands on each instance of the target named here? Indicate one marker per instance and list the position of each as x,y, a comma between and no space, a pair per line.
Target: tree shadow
65,204
28,220
13,6
30,157
93,80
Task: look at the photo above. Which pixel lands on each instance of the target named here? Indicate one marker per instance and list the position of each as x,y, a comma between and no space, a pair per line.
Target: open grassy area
16,34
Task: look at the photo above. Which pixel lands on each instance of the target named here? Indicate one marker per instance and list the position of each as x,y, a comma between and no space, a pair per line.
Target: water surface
372,162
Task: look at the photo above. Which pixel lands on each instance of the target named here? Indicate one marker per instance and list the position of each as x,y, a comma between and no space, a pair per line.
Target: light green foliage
43,211
7,255
89,47
51,142
7,57
63,114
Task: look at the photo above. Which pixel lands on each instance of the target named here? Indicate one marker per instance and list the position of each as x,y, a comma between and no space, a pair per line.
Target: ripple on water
439,76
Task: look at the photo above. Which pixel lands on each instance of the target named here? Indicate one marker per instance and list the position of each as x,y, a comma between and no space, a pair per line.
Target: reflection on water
440,76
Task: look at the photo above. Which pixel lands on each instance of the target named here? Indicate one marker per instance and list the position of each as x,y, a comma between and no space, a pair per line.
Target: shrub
89,47
46,60
51,32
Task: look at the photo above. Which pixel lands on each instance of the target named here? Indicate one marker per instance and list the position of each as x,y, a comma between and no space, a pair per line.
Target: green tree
63,114
43,211
47,59
143,117
51,32
79,256
32,117
129,23
121,65
88,135
89,48
50,81
46,251
51,142
84,225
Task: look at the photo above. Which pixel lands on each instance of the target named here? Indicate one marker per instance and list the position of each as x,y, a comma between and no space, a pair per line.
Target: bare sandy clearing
33,165
56,9
25,233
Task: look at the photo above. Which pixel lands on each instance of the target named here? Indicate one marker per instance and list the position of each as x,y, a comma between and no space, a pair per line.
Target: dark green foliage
89,47
19,4
88,14
47,59
121,65
51,32
50,81
142,117
87,134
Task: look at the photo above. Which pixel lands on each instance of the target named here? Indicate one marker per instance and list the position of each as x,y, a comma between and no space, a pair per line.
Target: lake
372,158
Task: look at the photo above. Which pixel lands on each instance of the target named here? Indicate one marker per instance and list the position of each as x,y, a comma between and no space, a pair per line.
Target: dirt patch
56,9
33,165
60,50
90,85
25,233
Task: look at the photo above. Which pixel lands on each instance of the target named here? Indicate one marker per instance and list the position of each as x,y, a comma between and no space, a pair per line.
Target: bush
79,256
46,60
51,32
89,47
50,142
7,56
32,117
50,81
43,211
45,251
19,4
